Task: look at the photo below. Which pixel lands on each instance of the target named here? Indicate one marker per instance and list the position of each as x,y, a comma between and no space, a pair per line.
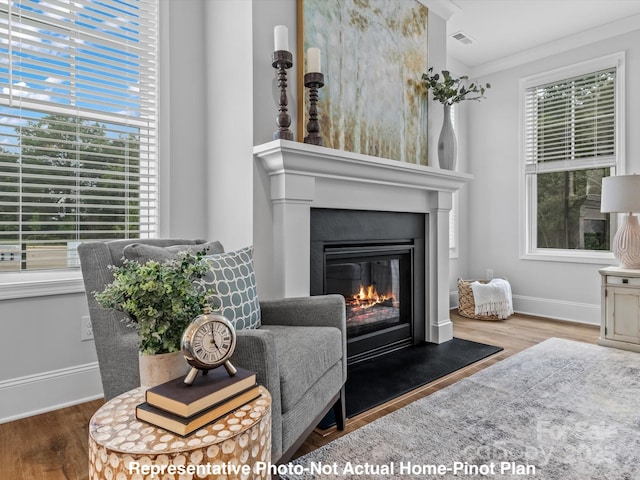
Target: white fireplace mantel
302,177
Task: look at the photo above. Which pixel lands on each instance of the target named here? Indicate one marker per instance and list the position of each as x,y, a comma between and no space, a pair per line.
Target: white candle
281,38
313,60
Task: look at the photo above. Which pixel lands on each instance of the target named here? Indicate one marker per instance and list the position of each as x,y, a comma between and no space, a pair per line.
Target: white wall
206,121
183,120
229,123
556,289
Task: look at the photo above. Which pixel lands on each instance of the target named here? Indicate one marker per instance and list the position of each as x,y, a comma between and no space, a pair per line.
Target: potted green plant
160,300
449,90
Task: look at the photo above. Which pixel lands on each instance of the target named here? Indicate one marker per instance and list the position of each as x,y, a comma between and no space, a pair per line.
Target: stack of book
183,409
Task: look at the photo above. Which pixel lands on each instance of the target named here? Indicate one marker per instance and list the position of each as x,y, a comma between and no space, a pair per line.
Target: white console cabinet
620,326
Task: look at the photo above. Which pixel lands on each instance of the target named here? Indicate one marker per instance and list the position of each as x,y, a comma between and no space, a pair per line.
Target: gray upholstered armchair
299,352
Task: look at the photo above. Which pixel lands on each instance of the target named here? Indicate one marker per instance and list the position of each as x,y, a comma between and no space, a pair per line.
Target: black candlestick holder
313,81
282,60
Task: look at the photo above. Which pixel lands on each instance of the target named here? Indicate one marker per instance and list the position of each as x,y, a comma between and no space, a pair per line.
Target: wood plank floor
53,446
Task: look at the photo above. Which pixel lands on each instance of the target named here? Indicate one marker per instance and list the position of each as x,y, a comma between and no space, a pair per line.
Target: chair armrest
256,351
316,311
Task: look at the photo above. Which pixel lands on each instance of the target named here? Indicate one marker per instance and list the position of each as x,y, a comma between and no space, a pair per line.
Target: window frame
37,283
527,182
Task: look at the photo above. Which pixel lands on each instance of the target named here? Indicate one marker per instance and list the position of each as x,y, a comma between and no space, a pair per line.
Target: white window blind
570,124
78,114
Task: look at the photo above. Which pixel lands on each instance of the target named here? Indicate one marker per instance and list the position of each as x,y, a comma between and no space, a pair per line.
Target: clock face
212,342
209,341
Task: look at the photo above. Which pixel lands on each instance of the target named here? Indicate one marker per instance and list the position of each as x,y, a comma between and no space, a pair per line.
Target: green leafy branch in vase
449,90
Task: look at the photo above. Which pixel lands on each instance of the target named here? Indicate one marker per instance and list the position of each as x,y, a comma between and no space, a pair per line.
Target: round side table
124,448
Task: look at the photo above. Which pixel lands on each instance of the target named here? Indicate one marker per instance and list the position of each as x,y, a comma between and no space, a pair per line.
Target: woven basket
466,304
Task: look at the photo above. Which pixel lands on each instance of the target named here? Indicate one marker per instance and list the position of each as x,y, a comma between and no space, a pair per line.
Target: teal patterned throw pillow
234,284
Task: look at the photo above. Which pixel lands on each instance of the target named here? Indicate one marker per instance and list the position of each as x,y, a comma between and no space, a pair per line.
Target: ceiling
506,28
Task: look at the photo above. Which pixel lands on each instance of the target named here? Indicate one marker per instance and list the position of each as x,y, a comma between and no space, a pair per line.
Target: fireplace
293,180
376,261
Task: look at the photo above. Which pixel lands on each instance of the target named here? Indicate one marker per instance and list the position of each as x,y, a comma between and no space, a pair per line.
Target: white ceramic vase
447,143
157,369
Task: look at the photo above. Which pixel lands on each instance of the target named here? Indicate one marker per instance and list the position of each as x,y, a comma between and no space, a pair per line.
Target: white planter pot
447,143
157,369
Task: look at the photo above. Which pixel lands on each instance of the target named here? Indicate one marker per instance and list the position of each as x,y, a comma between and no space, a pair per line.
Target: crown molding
565,44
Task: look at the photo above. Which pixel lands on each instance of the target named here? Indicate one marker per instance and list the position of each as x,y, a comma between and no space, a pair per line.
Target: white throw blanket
493,298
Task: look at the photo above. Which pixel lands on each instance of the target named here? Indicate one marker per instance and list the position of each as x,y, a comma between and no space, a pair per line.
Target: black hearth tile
377,380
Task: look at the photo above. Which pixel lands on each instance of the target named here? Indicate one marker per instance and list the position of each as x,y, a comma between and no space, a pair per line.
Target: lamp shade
620,194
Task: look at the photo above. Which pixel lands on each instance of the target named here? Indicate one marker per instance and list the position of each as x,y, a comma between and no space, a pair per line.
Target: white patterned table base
123,448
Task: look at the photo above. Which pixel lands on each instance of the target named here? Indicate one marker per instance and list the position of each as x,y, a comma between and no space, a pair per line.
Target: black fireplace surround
376,260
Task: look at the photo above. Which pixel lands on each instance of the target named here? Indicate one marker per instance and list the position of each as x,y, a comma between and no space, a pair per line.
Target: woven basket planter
466,303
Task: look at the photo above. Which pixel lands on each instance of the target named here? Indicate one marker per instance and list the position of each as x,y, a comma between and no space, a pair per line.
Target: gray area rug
559,410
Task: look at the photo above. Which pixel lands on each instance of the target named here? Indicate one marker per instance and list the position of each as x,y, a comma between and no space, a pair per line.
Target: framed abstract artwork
373,54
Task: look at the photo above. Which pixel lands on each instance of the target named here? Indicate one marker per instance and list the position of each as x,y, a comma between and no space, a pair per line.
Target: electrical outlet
489,274
86,330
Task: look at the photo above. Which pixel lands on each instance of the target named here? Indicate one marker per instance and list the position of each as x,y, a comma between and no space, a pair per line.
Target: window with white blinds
570,144
78,115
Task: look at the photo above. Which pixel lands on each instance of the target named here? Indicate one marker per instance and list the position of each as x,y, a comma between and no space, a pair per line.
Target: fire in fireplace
367,309
358,305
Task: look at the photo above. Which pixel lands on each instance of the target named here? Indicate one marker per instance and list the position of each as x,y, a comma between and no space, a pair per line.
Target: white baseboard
453,299
34,394
558,309
550,308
